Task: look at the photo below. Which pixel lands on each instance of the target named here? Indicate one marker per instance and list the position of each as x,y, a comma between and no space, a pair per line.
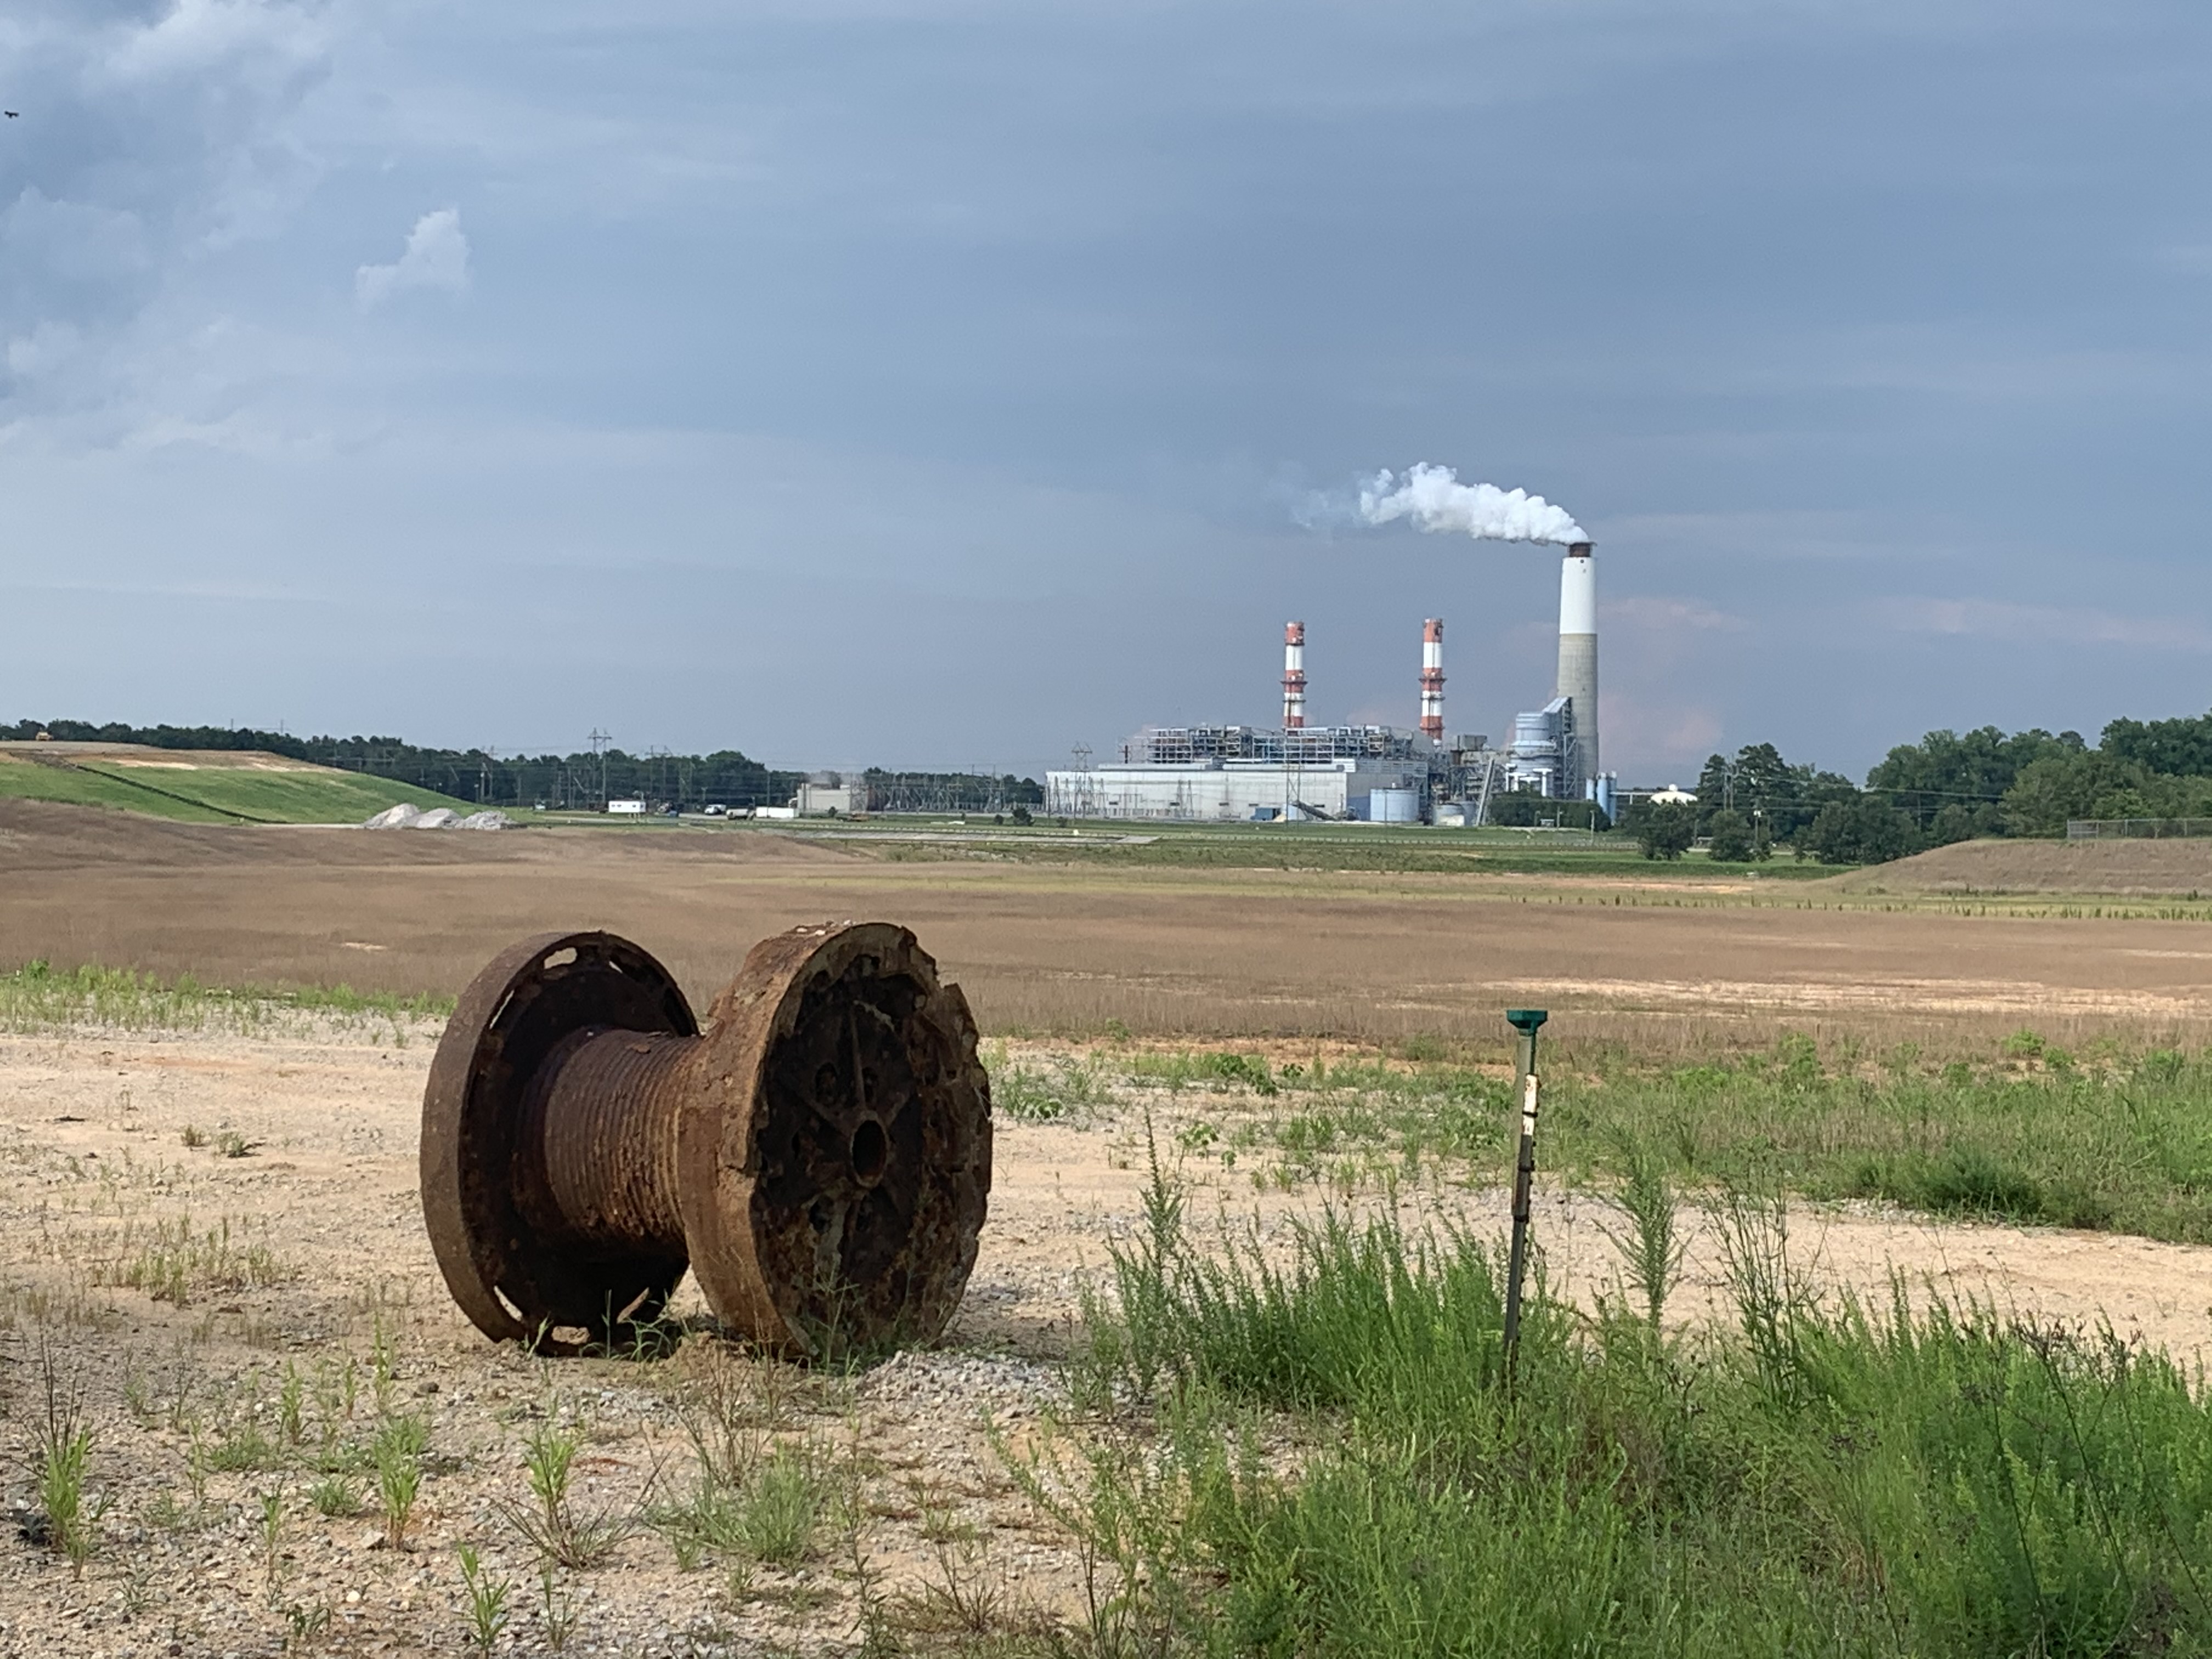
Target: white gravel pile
404,817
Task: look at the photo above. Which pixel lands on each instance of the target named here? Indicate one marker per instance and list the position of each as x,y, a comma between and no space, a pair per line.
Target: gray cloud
436,257
154,138
2045,624
992,341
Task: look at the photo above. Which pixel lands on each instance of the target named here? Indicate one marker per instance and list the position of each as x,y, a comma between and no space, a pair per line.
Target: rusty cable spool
820,1157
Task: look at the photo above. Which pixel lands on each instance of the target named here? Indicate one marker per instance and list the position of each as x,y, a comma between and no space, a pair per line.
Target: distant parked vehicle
717,811
634,809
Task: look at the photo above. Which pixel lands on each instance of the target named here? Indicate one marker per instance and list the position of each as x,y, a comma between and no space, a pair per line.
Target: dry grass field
217,1287
1668,967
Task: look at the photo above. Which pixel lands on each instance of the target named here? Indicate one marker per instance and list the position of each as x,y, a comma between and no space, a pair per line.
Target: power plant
1374,773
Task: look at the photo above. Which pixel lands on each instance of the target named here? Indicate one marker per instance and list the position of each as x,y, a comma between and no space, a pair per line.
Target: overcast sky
937,384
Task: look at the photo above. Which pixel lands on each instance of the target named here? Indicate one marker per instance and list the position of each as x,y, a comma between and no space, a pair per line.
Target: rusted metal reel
820,1157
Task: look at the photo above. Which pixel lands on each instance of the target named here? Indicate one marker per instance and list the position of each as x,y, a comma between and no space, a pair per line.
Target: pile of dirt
2182,869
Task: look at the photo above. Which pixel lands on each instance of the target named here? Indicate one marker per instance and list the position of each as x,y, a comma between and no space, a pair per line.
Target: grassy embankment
1327,1458
2113,1141
212,794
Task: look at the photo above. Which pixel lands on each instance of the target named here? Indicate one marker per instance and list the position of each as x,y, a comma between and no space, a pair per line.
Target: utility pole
599,742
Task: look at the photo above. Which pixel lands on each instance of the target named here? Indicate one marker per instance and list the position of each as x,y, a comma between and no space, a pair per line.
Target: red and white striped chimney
1294,676
1432,678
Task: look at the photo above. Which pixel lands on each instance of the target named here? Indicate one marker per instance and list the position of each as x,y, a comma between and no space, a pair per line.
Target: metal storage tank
1393,806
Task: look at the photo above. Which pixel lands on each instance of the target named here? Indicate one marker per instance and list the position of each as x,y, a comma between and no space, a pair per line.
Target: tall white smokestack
1578,662
1432,678
1294,676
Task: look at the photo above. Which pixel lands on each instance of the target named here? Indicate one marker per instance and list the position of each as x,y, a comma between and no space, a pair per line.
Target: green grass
172,1261
2123,1143
1323,1458
2029,1135
1143,844
1350,847
37,996
770,1508
213,794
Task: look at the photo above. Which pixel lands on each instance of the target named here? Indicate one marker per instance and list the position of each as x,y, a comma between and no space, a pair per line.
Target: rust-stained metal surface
820,1158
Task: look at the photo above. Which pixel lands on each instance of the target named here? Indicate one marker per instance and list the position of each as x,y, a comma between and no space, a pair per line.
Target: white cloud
2000,619
437,257
1671,615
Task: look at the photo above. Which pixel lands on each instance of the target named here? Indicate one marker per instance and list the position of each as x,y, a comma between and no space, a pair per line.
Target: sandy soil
93,1165
1055,948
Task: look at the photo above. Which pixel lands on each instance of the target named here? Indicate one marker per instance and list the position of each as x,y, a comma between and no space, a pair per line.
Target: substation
1366,774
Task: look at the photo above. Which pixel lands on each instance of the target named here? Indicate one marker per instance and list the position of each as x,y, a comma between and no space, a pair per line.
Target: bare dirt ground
1046,949
304,1258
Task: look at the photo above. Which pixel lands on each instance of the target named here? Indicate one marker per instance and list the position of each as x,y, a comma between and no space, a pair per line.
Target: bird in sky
11,114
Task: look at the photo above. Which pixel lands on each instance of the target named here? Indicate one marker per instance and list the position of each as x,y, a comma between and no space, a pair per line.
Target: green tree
1666,831
1956,821
1731,836
1969,772
1523,809
1780,798
1864,830
2179,748
2090,784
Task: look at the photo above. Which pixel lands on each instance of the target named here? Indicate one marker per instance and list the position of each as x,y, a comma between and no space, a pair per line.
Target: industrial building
1377,773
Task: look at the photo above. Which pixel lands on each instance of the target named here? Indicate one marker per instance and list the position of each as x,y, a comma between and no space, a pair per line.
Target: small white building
627,809
815,797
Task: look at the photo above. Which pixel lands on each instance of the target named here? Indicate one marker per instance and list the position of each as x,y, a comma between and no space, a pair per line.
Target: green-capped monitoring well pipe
1526,1021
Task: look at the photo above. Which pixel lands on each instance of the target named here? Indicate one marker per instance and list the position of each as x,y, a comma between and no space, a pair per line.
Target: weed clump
1317,1455
61,1457
550,1524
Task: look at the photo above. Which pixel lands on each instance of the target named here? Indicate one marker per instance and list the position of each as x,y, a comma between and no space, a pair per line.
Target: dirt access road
180,1289
1668,965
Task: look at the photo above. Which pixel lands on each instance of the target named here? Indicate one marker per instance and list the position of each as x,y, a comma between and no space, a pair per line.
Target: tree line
585,780
1949,786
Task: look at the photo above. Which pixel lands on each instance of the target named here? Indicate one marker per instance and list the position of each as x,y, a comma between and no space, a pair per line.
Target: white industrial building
829,792
1243,773
1241,791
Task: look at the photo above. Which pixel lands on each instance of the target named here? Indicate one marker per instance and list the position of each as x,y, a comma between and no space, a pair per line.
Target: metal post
1525,1021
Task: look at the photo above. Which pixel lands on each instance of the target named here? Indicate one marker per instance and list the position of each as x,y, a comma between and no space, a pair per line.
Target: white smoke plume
1434,499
